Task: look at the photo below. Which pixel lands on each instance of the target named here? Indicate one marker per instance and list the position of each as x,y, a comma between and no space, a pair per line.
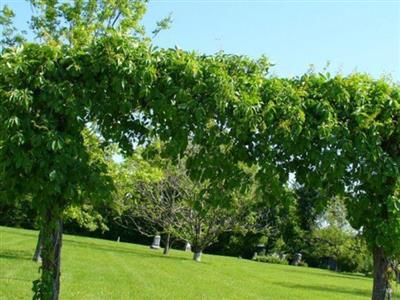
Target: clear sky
351,35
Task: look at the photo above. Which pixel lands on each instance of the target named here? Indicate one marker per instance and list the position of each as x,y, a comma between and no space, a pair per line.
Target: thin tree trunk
196,243
49,286
197,255
38,250
381,287
167,241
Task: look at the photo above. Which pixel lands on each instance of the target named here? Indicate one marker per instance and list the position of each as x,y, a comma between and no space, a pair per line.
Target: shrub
271,259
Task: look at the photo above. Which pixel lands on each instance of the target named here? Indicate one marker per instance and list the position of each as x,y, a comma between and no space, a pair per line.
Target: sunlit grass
101,269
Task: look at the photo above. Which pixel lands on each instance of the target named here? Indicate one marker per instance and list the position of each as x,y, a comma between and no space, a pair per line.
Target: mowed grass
101,269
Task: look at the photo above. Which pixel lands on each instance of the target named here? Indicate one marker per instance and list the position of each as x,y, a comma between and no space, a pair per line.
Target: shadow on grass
117,249
326,289
15,254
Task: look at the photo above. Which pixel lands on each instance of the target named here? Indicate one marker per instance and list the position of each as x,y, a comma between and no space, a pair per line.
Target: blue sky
351,35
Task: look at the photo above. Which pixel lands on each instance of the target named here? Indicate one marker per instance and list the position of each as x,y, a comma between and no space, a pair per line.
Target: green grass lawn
100,269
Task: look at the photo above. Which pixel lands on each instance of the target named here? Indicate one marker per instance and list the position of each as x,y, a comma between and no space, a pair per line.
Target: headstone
297,259
118,240
156,242
188,247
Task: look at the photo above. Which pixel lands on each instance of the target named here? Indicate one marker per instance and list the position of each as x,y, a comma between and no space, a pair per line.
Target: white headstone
156,242
188,247
297,259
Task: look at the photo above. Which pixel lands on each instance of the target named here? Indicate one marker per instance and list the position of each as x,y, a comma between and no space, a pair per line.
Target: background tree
340,250
160,208
201,221
310,204
152,201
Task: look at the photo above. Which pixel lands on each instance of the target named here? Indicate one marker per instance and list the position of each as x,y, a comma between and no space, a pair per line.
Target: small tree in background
201,221
155,208
202,224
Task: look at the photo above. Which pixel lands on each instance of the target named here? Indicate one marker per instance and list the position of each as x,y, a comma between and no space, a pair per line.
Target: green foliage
310,204
86,217
18,213
349,252
327,240
78,23
271,259
162,25
41,139
10,36
350,145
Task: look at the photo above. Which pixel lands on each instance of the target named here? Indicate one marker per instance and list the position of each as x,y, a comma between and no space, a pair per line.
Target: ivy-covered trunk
167,243
381,287
48,288
38,251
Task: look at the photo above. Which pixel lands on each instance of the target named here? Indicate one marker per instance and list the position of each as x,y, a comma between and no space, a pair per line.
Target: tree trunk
48,288
37,255
197,255
196,243
381,287
167,241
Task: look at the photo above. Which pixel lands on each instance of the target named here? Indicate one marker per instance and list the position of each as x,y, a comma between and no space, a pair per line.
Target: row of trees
91,64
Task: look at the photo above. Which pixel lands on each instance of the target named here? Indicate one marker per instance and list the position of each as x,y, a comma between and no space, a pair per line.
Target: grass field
100,269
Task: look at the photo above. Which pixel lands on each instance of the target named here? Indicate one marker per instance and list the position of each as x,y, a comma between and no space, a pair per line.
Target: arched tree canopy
131,92
338,133
350,145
